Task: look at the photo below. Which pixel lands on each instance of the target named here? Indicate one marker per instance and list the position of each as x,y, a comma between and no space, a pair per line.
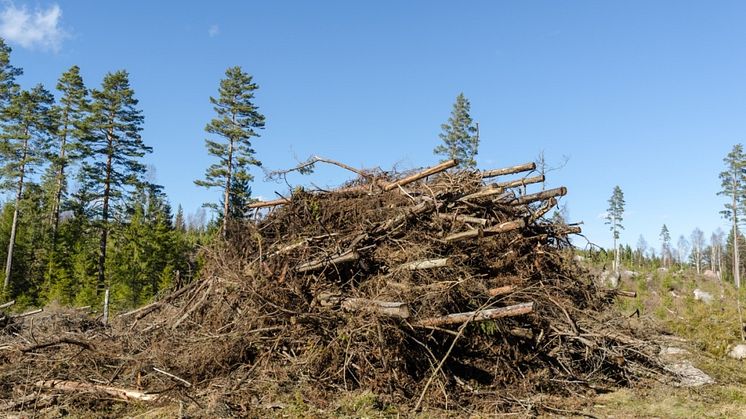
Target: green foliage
460,135
237,122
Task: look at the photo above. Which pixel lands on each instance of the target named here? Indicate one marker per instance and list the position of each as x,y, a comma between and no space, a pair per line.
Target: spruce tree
460,135
29,123
114,150
733,182
237,122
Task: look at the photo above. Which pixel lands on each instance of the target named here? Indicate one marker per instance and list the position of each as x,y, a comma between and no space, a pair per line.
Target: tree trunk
14,226
736,256
227,195
60,181
101,280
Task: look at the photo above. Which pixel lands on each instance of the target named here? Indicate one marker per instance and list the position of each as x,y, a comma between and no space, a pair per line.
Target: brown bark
494,292
521,182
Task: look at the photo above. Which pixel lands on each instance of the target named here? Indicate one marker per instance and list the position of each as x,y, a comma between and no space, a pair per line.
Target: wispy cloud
32,29
213,31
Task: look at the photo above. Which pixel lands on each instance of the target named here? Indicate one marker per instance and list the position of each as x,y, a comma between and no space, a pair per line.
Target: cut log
426,264
8,304
264,204
476,316
408,214
521,182
74,386
335,260
504,227
526,167
28,313
423,174
494,292
465,235
483,193
539,196
399,310
543,210
630,294
463,218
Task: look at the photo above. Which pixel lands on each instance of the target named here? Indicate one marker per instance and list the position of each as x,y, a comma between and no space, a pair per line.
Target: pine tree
665,237
460,135
8,75
114,149
237,122
73,130
26,135
614,219
733,182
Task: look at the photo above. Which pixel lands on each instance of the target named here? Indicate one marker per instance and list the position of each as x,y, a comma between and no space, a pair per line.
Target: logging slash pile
437,290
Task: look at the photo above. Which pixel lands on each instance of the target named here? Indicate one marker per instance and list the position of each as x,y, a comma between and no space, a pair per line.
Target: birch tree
698,243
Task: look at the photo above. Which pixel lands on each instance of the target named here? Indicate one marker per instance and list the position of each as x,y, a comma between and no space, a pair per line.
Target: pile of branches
439,289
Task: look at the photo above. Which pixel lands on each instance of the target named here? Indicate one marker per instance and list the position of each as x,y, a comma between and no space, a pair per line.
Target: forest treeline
82,212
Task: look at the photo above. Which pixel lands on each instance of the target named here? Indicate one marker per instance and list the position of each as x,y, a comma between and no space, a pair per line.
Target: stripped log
8,304
75,386
426,264
526,167
463,218
521,182
476,316
630,294
396,309
494,292
346,257
273,203
539,196
423,174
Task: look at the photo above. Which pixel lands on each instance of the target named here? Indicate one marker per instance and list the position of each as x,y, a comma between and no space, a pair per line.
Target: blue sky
646,95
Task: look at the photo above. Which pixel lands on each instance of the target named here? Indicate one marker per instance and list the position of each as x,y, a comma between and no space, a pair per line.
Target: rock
610,279
628,274
738,351
703,296
689,375
578,258
709,274
672,351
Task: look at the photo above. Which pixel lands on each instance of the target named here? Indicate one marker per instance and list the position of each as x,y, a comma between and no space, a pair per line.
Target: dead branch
423,174
74,386
69,341
489,314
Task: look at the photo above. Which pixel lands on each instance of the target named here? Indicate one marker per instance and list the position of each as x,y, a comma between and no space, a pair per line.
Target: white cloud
40,28
213,31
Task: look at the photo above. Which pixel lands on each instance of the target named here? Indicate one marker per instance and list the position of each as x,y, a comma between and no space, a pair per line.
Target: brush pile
434,290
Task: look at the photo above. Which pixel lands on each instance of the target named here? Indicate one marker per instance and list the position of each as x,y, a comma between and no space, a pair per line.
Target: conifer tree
8,74
26,135
73,128
114,150
614,219
460,135
665,237
733,182
237,122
